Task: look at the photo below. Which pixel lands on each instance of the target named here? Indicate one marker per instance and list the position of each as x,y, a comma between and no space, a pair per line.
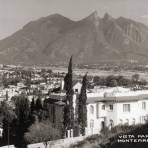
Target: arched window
103,107
111,124
92,109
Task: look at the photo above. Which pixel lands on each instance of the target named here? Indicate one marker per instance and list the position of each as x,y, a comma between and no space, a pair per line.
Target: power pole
8,135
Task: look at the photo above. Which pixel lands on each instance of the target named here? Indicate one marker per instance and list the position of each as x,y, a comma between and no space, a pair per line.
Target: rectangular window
76,90
91,123
103,107
144,105
142,119
126,107
111,107
97,107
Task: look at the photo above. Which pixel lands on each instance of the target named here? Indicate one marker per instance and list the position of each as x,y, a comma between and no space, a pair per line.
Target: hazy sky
14,14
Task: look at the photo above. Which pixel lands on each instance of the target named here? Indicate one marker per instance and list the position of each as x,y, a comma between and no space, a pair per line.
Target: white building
115,106
108,107
1,132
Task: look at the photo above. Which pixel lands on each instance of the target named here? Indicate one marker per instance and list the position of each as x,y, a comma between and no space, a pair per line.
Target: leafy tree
41,132
109,80
135,77
82,109
96,80
3,108
4,80
113,83
69,111
143,83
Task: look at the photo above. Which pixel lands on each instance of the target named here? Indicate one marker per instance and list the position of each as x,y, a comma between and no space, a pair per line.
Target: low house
77,87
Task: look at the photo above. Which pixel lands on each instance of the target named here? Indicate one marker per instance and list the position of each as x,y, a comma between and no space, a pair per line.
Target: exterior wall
101,117
107,117
92,128
107,113
58,121
61,143
1,132
51,112
111,114
75,105
10,146
77,87
136,112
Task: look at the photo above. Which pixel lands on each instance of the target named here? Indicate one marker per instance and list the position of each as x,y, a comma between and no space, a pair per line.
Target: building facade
116,108
107,107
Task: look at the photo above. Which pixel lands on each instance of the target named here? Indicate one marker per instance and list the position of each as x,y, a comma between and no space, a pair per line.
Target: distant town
43,104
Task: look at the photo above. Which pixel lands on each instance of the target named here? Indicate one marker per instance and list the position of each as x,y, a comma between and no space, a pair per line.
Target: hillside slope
92,40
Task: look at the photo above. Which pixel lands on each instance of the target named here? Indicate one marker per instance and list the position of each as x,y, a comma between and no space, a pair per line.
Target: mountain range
53,39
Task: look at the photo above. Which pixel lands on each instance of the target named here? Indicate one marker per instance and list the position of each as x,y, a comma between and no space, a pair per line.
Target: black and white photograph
73,73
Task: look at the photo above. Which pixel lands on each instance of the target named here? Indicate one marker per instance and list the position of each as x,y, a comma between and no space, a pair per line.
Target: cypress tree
8,127
45,113
39,109
32,110
82,109
23,119
38,105
68,110
32,106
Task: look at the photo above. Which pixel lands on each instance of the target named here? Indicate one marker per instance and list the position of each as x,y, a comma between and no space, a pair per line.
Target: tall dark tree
32,106
82,109
32,111
23,119
7,95
28,80
38,105
39,111
68,110
8,125
45,114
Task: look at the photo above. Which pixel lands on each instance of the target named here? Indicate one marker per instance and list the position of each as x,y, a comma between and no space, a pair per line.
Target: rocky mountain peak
93,39
92,17
107,16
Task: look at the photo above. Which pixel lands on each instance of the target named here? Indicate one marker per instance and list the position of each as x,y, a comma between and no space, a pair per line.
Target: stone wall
62,143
